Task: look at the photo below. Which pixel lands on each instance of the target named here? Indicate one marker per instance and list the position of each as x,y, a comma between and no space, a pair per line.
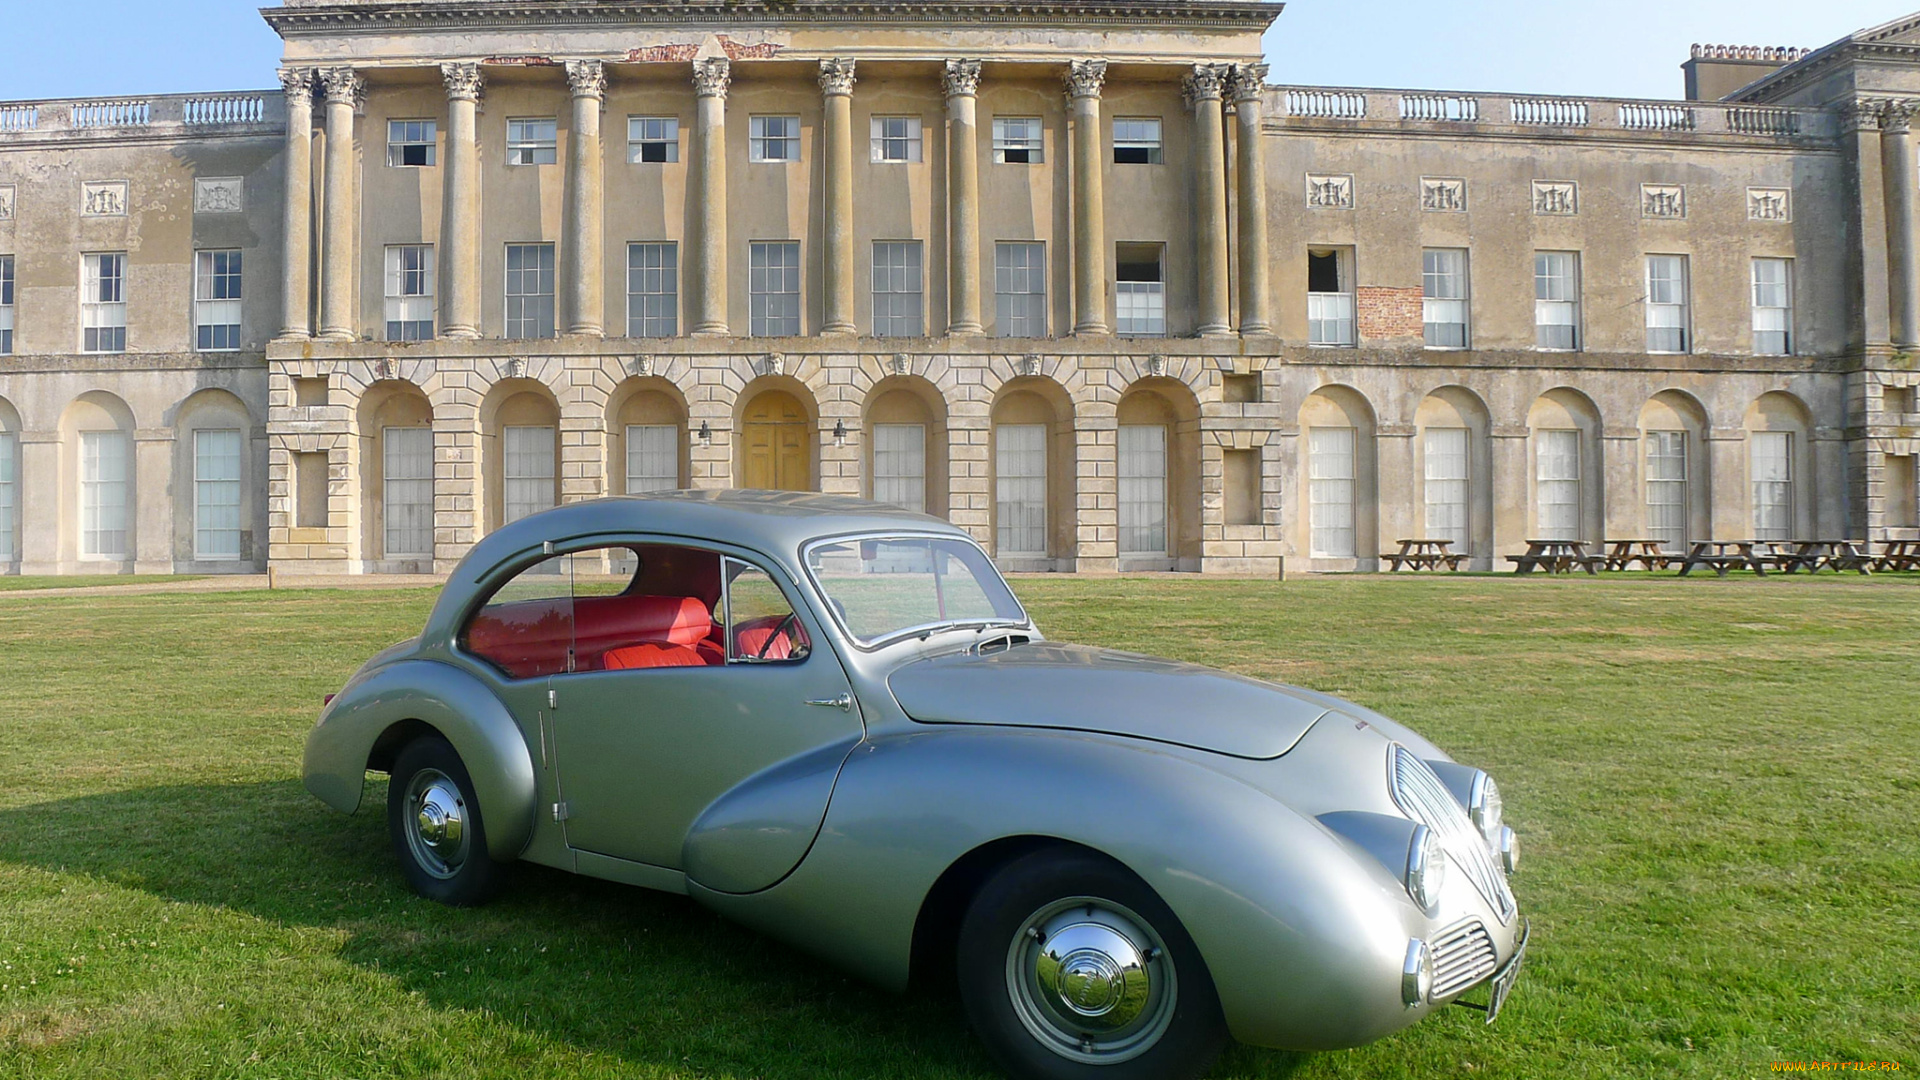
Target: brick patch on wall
1385,313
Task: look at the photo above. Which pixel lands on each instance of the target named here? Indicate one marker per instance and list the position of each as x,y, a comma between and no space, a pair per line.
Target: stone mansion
1078,277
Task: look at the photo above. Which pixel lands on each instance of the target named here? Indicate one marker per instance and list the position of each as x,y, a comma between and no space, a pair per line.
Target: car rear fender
1304,939
460,708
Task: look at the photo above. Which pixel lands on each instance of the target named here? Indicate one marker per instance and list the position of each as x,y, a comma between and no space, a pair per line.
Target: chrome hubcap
437,823
1091,981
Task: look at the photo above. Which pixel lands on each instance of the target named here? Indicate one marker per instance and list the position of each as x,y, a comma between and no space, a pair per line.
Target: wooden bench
1724,555
1622,554
1424,555
1556,557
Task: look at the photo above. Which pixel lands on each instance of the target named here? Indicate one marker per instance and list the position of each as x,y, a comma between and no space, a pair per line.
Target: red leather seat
601,623
653,656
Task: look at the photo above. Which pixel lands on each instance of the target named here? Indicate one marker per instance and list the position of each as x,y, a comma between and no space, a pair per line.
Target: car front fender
1303,936
452,703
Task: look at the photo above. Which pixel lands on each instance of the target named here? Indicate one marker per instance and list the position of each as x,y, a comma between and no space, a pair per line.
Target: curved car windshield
890,586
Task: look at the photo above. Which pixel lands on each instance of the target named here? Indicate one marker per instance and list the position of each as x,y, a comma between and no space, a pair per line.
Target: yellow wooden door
776,456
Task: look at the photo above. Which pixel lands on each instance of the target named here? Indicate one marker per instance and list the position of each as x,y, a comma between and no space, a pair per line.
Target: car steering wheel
779,628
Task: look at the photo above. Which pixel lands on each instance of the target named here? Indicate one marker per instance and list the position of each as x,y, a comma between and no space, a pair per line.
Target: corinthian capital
1248,82
463,81
712,77
1085,78
962,78
1896,114
587,78
836,77
343,86
1206,82
298,84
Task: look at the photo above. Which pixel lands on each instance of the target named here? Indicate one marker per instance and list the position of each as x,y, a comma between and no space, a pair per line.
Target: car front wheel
436,827
1072,969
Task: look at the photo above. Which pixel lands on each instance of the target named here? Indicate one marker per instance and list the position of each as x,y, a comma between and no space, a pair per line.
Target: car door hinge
561,812
553,699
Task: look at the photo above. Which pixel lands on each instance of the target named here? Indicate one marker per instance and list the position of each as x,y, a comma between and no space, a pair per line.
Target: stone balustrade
163,114
1544,114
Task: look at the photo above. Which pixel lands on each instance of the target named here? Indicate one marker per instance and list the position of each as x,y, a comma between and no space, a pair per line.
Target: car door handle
844,702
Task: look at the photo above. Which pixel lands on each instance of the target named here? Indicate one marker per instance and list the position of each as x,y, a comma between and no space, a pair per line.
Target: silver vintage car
831,720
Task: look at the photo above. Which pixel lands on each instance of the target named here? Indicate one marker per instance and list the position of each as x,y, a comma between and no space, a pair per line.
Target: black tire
457,872
1016,1024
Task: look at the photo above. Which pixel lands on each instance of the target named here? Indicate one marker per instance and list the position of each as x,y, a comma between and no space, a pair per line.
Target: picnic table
1899,555
1424,555
1622,554
1813,555
1555,557
1724,555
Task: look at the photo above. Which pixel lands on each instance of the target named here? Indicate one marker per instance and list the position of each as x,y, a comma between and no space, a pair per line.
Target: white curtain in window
1330,318
1020,488
1447,467
1772,307
653,458
407,491
8,499
1143,489
1667,502
216,494
528,472
1331,472
1666,303
103,495
1556,299
900,465
1557,483
1772,462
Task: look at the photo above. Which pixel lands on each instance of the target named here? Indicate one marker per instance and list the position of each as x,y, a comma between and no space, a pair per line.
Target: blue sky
1620,48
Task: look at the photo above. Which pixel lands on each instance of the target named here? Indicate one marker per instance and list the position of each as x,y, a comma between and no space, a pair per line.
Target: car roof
774,522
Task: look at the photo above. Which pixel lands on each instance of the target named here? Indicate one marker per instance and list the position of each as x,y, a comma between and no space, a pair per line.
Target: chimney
1717,72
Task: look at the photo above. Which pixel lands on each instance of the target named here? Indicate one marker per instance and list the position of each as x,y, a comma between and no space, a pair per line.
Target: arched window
1337,428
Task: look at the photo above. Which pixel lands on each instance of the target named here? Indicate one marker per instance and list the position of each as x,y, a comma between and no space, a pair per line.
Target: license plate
1504,979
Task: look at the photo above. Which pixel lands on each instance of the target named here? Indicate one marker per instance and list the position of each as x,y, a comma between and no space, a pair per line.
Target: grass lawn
1715,781
35,582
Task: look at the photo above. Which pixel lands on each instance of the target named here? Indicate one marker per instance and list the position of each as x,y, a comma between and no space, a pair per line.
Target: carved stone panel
6,202
1443,195
220,195
641,366
1556,198
1769,204
103,198
901,364
1663,200
1325,192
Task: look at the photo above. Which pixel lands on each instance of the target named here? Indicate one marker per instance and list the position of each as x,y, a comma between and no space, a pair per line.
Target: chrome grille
1424,798
1463,954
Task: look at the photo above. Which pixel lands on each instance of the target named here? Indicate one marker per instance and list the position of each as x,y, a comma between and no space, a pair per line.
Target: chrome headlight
1426,869
1509,850
1484,807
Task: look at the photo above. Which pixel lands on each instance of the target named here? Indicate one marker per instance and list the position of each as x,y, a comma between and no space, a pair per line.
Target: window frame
1458,280
1785,308
758,324
1683,284
1143,141
428,139
397,274
1575,305
1429,483
650,324
388,549
1146,296
124,485
758,140
910,140
1005,301
1349,318
1349,482
1788,484
96,314
1032,145
201,486
545,273
536,144
1162,524
669,140
207,272
1663,440
628,452
911,272
1001,476
1578,482
6,304
549,447
915,449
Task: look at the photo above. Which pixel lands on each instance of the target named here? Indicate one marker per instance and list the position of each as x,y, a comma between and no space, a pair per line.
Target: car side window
762,628
526,627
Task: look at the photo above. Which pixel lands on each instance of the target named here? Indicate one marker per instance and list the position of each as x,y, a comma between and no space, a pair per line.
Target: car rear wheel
436,827
1071,969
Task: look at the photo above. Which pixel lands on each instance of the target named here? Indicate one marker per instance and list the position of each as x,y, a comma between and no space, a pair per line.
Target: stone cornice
387,16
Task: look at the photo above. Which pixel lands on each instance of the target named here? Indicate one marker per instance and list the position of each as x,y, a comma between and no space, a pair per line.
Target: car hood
1076,688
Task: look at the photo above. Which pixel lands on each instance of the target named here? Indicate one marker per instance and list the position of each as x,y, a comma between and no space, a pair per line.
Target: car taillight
326,701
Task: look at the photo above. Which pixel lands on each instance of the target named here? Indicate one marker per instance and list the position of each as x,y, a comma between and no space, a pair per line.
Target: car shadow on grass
648,978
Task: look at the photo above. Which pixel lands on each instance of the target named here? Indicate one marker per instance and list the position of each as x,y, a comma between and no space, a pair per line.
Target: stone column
296,230
836,84
1249,90
460,209
963,199
711,78
1898,177
585,234
344,89
1203,88
1084,81
150,530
